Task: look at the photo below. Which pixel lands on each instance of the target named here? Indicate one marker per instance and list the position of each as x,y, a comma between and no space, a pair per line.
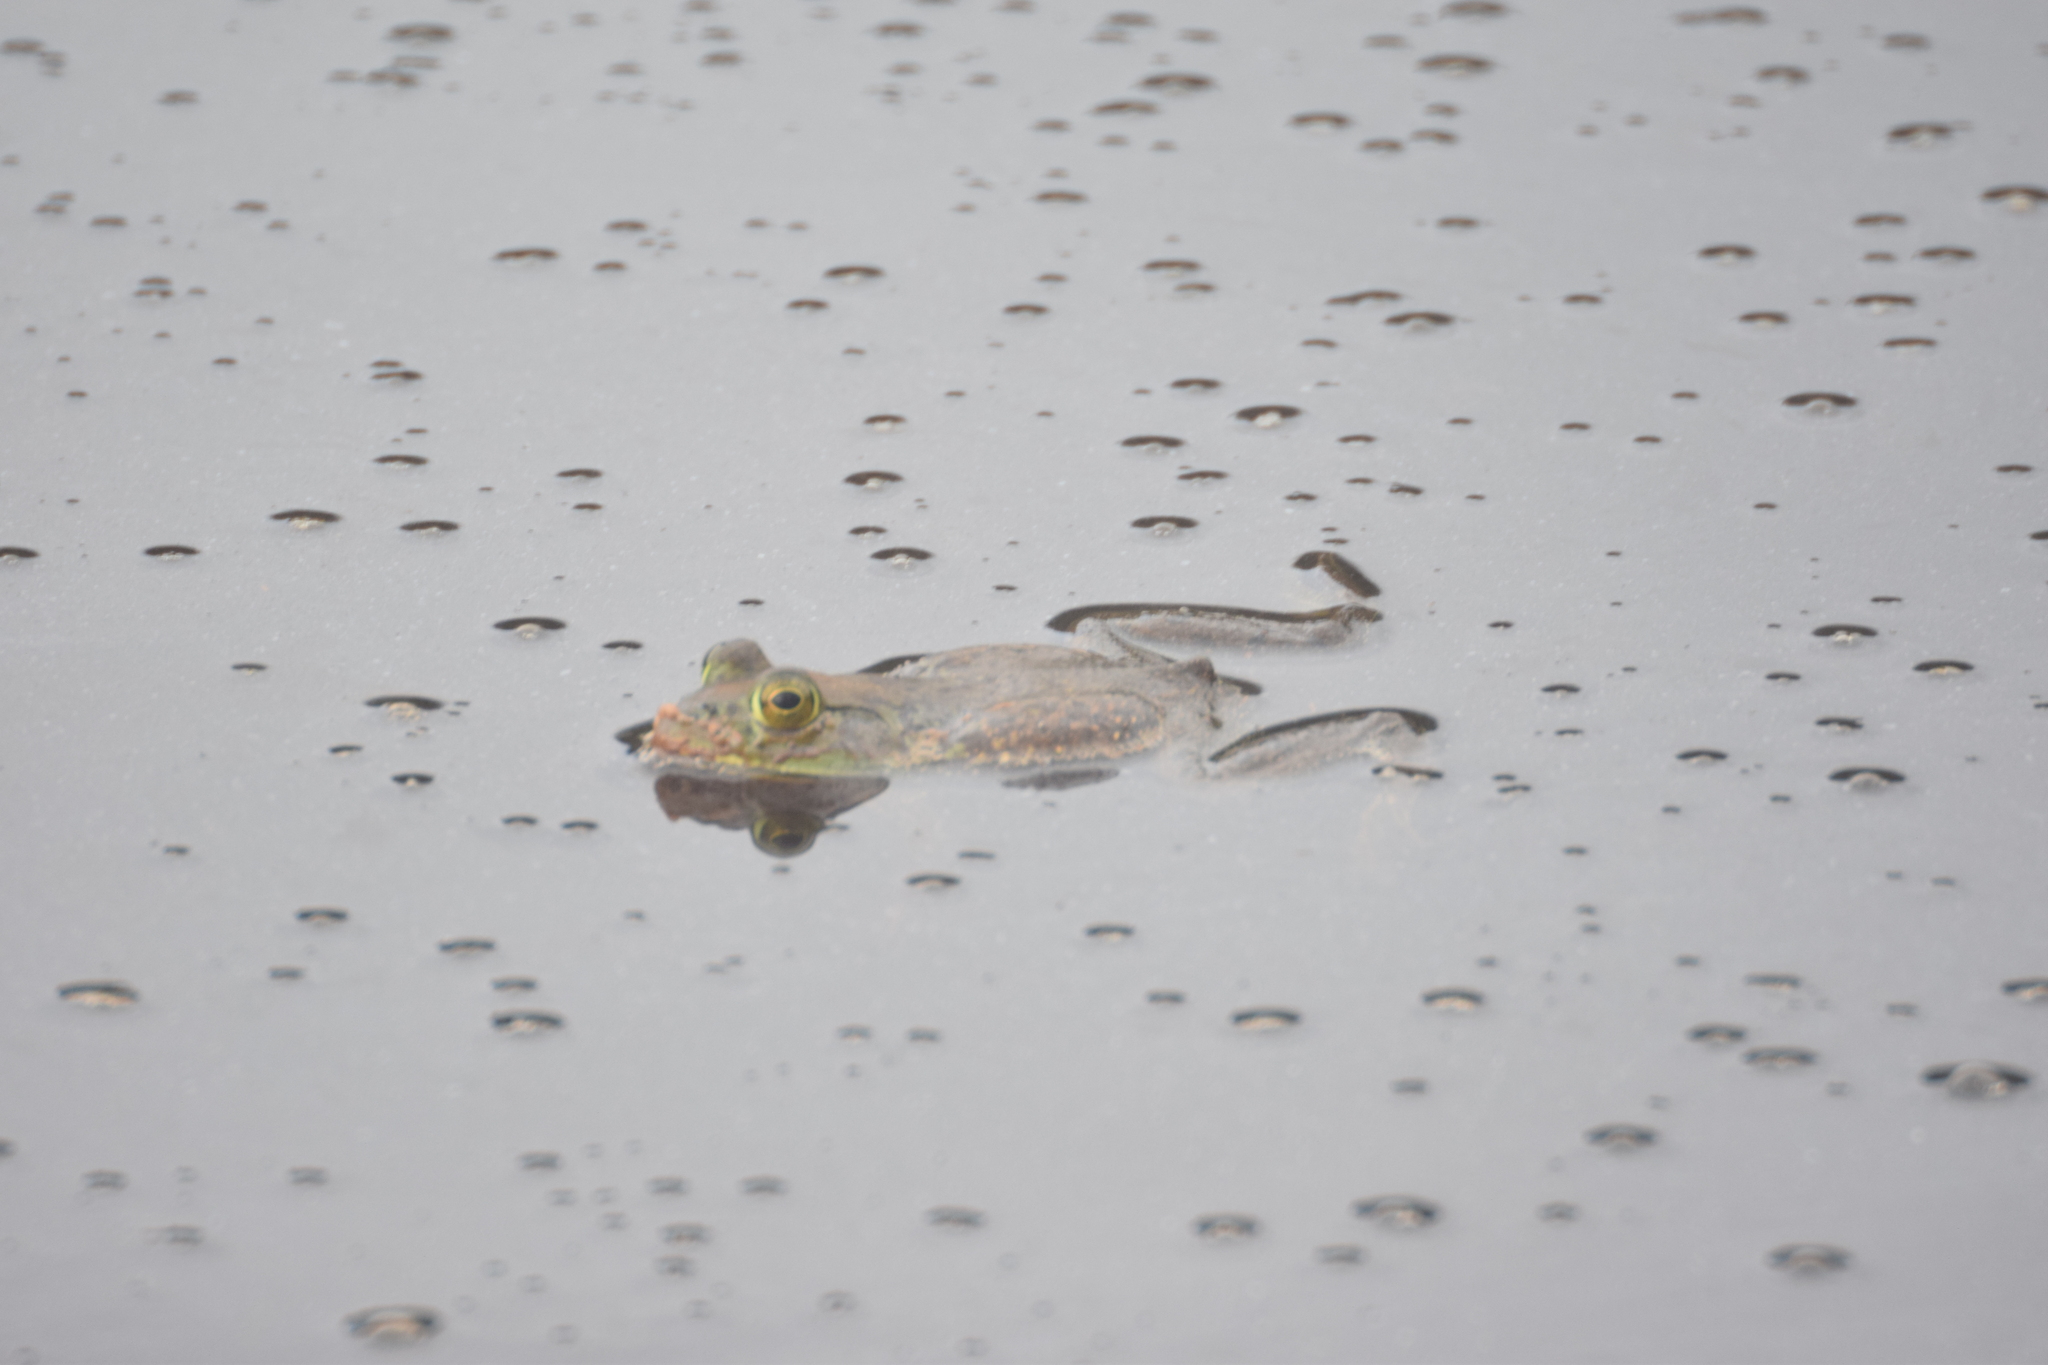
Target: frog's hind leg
1313,741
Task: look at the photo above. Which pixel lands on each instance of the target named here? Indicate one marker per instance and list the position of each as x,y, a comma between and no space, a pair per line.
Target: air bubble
932,881
515,985
873,480
1843,634
1152,445
1110,933
901,556
1322,121
1727,253
322,916
1910,344
1165,526
1621,1137
1226,1227
1807,1258
1944,667
404,707
1172,267
1454,64
1977,1080
2016,198
2033,990
1947,255
1267,415
529,627
467,947
1919,134
1779,1058
407,461
527,253
431,527
1420,324
10,554
393,1325
1764,321
99,995
1881,220
1839,725
1166,998
1265,1020
1884,303
1718,1035
1196,385
955,1217
170,552
1772,981
1027,310
622,646
854,274
1397,1212
763,1185
1867,779
1454,1000
526,1023
1125,108
1060,197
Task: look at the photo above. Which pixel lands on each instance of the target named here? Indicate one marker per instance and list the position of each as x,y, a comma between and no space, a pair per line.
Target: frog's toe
1312,741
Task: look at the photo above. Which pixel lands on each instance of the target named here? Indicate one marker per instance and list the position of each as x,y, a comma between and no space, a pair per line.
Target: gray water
832,1107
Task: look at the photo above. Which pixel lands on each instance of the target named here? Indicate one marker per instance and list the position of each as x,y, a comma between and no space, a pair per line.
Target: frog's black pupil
786,700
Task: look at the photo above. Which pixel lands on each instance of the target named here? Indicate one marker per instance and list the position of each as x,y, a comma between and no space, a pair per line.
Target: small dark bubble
515,985
1839,724
1843,634
1717,1035
526,1022
1152,445
873,479
1226,1227
2001,469
170,551
1397,1212
1807,1258
580,474
885,421
580,826
1867,779
407,461
2032,990
1110,933
1125,108
1266,1020
13,553
529,625
932,881
1031,310
1947,255
1172,266
1177,83
1781,677
1454,1000
1772,981
1881,220
1779,1058
343,750
1920,135
1702,756
1621,1137
430,527
1267,414
1180,998
1320,120
1165,525
1977,1080
1210,475
527,253
2017,198
1944,667
1364,296
1561,689
901,554
322,916
468,947
413,780
1727,253
99,995
404,704
1060,197
1420,324
955,1217
1454,64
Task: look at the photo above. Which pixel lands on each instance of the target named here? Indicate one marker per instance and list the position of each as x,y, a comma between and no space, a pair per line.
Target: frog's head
749,716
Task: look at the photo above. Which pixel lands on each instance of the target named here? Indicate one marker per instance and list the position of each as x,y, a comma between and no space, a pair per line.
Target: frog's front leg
1384,733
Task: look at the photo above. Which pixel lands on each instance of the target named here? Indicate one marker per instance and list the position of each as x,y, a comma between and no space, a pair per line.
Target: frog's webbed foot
1313,741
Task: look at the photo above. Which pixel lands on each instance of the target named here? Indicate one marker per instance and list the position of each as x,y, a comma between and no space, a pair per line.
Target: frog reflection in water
1047,715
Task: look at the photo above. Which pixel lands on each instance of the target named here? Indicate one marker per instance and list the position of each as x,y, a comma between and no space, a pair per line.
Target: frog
1009,707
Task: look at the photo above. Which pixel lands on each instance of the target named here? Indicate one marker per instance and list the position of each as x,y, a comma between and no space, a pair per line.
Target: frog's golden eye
786,701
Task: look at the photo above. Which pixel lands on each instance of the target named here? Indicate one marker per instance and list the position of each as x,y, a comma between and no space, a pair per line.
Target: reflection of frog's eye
785,701
785,834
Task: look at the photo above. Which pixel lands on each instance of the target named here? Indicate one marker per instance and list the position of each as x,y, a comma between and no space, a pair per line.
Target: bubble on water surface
393,1324
1947,255
527,253
540,1161
1165,526
1843,633
1807,1259
1177,83
403,461
421,33
1454,1000
1867,779
1397,1212
1839,724
1110,933
1764,321
1152,445
322,916
467,947
1421,323
2016,198
763,1185
901,556
1947,668
1226,1227
1265,1020
2033,990
1779,1058
529,627
1322,121
885,421
1702,757
431,527
954,1217
1727,253
413,780
10,554
1196,385
1910,344
1773,981
105,1180
1364,296
99,995
1454,64
1621,1137
526,1023
854,274
1920,135
690,1233
170,551
1977,1080
515,985
932,881
873,480
404,707
1267,415
1060,197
